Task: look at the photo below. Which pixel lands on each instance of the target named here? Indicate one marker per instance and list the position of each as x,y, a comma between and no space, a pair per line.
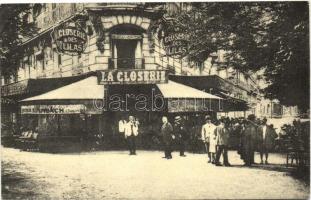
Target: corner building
73,99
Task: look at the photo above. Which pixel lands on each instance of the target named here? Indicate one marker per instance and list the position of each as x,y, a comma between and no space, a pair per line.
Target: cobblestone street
115,174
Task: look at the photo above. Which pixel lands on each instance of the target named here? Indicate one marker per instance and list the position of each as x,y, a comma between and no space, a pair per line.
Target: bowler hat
177,118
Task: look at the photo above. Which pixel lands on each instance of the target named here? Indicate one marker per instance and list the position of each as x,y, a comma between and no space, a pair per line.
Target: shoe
209,161
213,162
266,162
228,165
169,157
165,157
218,164
261,162
183,155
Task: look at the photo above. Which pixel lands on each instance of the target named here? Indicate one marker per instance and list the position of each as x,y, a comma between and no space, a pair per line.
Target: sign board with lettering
53,109
15,88
70,39
133,76
175,44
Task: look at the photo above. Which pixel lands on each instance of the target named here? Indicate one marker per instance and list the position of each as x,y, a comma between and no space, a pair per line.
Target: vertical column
115,55
138,55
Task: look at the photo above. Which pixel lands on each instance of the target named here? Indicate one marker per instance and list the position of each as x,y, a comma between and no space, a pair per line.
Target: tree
272,36
14,29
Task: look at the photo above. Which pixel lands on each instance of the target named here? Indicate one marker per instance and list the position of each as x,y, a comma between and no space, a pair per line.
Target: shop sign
53,109
133,76
175,44
15,88
70,39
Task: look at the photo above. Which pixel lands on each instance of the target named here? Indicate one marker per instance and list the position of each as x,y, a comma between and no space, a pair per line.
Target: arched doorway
126,47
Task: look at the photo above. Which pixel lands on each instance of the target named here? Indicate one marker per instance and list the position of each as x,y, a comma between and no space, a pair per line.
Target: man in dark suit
167,134
181,134
222,137
249,140
266,137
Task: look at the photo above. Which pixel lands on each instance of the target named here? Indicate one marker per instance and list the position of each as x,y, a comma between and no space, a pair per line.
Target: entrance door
125,53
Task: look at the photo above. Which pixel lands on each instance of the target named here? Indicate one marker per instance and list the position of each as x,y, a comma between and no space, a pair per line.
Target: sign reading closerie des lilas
70,39
175,43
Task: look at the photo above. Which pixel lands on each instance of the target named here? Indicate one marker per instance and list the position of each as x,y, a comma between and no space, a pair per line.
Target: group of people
254,135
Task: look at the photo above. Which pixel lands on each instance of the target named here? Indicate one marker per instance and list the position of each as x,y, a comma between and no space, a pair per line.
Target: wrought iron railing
126,63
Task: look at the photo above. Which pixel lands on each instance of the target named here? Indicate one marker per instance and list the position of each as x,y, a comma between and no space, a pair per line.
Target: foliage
14,29
272,36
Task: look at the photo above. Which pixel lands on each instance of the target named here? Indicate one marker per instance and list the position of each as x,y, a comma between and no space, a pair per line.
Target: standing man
206,133
167,134
266,138
249,140
181,134
222,138
131,131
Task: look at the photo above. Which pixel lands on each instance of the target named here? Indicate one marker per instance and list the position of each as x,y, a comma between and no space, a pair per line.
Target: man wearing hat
222,137
167,134
249,140
266,138
181,134
207,132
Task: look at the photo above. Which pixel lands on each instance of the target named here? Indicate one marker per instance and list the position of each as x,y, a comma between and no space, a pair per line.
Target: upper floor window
39,60
126,47
57,58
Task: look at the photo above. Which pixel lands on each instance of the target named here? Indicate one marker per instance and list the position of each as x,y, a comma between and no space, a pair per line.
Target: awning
178,90
87,89
181,98
32,87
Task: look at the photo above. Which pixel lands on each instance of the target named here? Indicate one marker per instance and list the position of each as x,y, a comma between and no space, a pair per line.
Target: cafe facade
93,64
114,66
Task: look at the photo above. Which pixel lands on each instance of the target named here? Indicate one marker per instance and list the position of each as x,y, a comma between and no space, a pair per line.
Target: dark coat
167,133
249,137
268,142
180,131
222,135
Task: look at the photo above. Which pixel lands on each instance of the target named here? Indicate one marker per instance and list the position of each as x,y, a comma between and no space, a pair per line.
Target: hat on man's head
177,118
251,117
207,117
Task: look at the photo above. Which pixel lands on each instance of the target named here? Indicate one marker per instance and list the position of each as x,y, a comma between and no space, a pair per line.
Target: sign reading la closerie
70,40
133,77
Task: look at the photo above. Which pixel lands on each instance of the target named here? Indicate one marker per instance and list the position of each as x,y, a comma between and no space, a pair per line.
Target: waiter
180,132
207,133
131,131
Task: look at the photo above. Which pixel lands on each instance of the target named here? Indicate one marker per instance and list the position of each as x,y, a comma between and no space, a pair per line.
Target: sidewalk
115,174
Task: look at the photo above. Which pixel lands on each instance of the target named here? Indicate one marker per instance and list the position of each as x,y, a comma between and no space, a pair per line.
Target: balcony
126,63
